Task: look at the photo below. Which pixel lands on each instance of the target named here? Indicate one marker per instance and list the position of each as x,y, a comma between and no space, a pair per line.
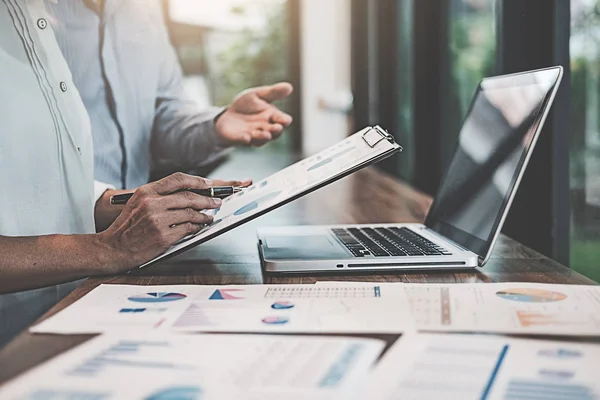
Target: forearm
37,261
184,137
183,134
157,216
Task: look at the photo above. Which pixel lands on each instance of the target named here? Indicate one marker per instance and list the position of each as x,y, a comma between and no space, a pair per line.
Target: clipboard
373,144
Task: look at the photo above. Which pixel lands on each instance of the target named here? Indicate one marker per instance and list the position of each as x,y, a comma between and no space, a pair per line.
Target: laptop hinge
480,260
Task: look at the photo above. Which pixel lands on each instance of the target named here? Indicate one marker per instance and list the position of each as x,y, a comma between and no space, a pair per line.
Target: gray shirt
46,154
130,81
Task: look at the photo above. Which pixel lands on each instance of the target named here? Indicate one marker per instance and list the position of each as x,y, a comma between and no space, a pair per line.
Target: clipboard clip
375,135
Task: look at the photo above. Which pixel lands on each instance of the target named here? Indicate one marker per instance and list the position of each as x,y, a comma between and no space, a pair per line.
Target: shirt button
63,86
42,23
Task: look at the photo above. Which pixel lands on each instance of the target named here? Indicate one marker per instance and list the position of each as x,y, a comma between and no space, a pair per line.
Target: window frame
531,34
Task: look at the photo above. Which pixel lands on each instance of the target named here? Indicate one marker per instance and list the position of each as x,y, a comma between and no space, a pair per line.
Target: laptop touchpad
302,247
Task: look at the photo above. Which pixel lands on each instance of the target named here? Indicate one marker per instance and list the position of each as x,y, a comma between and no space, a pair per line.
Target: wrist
104,212
219,115
111,256
218,122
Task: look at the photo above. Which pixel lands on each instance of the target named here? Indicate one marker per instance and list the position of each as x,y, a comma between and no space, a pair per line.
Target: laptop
495,143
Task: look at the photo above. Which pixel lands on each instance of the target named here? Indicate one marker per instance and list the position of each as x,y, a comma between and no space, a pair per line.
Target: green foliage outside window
585,138
472,57
256,59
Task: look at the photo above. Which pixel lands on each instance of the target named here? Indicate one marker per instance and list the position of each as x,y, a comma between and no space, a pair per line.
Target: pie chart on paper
530,295
157,297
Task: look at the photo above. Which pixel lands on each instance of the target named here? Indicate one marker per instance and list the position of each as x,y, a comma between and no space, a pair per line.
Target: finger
179,181
279,117
178,217
183,200
261,136
244,138
261,129
275,92
244,183
178,232
276,130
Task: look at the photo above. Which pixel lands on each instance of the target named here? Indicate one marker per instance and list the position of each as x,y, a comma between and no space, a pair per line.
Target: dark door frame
535,34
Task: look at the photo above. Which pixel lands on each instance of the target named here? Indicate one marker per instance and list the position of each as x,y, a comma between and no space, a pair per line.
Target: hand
105,213
251,119
155,218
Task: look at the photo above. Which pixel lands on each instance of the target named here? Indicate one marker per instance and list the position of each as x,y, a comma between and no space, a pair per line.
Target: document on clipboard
365,147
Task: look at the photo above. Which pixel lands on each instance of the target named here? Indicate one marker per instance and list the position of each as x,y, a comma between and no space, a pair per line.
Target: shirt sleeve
99,189
184,136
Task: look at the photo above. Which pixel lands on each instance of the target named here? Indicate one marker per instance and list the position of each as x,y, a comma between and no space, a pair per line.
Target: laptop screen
496,137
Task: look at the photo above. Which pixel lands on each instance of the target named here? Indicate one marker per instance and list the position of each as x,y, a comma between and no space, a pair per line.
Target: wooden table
365,197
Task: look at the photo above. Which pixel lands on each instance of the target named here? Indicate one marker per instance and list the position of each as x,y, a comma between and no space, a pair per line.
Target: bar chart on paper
323,292
506,308
484,367
299,308
459,369
543,390
126,354
201,367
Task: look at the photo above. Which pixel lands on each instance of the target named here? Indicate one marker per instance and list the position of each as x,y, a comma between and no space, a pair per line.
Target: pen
218,191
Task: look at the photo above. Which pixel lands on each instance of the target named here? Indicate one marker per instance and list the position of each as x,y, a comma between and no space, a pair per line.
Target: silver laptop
495,143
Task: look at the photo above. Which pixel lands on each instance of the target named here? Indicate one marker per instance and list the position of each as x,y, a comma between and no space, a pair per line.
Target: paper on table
528,308
375,308
463,367
162,366
351,153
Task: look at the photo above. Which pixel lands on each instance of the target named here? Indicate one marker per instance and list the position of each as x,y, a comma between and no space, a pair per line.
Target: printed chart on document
243,308
293,308
161,367
464,367
297,178
531,308
507,307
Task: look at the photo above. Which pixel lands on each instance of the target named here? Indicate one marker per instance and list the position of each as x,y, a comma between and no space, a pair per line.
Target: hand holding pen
219,192
157,216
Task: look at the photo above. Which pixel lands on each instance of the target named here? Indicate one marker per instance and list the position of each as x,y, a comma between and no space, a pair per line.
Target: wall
326,85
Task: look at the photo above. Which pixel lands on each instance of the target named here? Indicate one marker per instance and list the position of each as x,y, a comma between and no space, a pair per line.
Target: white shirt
46,153
130,81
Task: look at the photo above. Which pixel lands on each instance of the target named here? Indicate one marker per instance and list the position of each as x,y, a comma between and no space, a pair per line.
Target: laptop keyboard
387,242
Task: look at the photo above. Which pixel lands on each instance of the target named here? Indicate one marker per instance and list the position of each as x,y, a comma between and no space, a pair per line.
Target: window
444,48
405,89
472,53
227,46
585,137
